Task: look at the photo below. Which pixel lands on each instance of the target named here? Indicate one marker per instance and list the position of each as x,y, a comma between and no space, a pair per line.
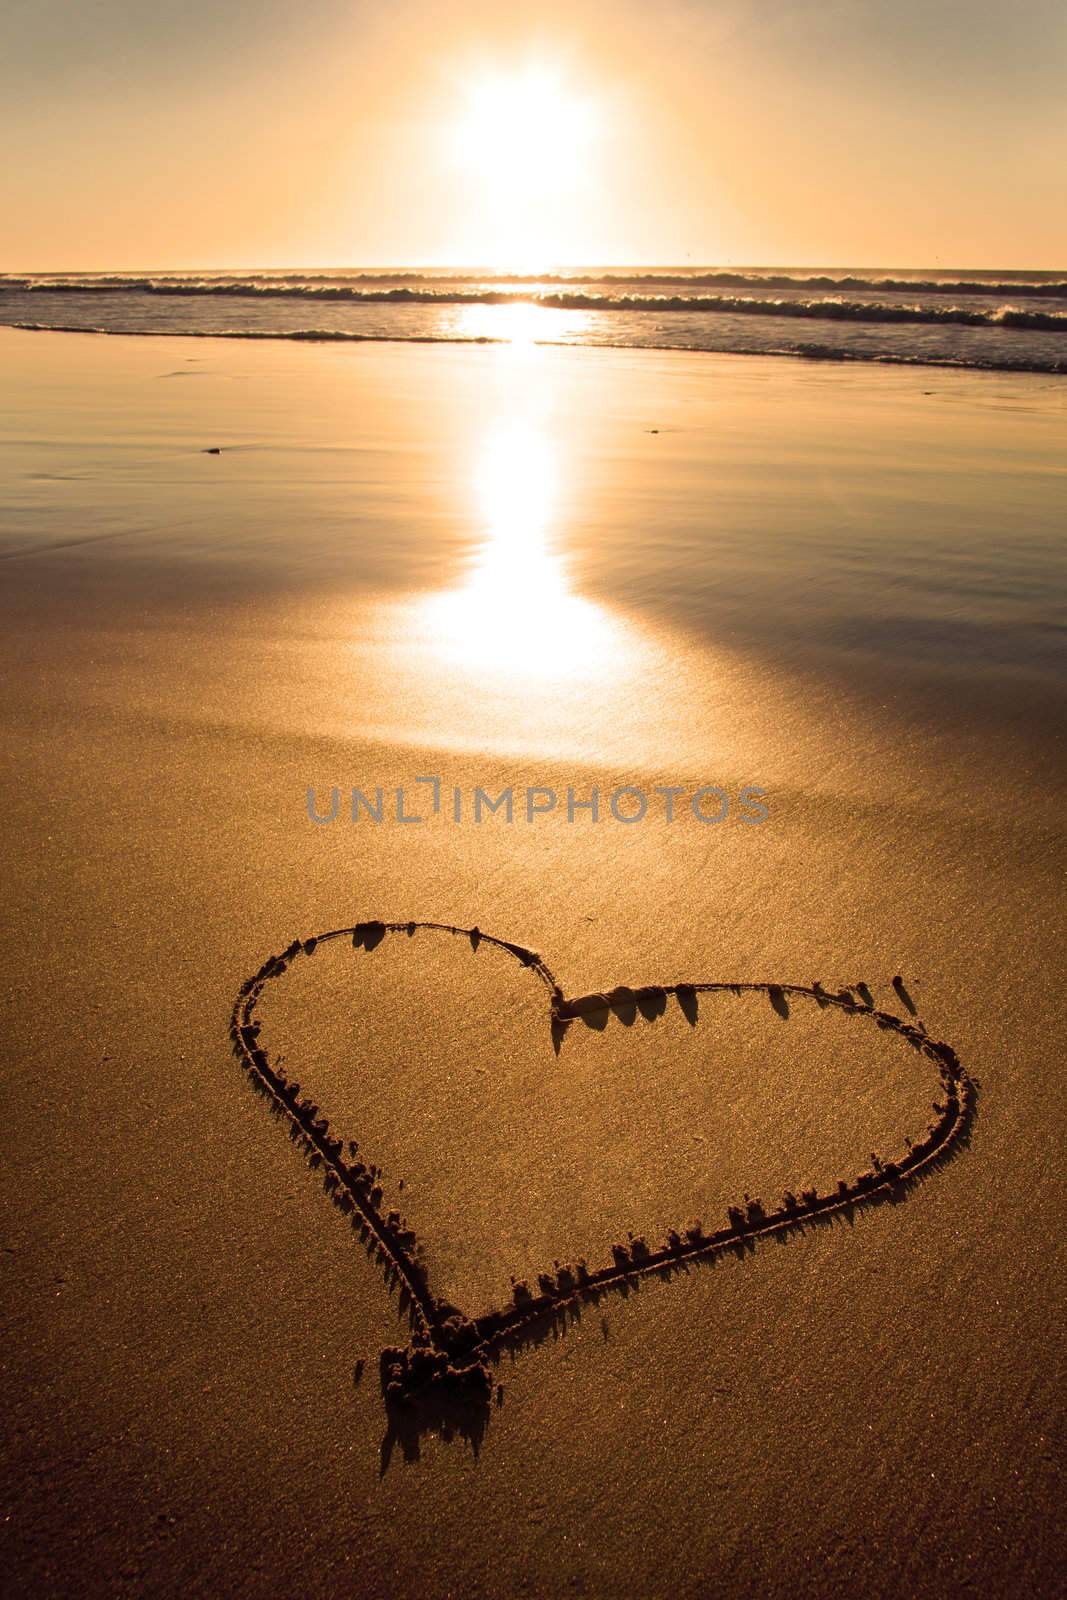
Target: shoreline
814,355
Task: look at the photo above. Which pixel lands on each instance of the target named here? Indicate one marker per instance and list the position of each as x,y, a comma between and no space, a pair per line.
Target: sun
528,128
523,141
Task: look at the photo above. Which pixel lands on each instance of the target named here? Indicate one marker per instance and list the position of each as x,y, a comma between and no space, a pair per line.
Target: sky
156,134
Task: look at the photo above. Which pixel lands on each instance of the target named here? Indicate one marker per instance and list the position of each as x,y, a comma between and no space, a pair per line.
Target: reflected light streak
520,322
516,613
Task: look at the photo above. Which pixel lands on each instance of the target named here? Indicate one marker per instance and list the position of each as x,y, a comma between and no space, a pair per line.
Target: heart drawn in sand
449,1353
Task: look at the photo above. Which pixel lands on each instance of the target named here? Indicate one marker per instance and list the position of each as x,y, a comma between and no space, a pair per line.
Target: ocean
992,321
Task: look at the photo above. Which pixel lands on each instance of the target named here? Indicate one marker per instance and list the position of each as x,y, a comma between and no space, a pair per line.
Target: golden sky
256,133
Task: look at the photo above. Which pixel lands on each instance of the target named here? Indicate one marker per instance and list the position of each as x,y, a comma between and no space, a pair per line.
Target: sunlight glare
524,130
520,323
522,147
516,612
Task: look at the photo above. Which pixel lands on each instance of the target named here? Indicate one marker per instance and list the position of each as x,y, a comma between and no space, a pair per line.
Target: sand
830,584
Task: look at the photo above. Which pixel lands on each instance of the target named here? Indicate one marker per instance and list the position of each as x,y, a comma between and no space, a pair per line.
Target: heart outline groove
448,1359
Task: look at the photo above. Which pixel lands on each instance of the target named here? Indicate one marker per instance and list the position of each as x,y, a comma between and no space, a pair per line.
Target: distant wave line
341,282
833,310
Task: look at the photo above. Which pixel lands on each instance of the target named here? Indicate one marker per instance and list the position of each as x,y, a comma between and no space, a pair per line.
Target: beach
235,572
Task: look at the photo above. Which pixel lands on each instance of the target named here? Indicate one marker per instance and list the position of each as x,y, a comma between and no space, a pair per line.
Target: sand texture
833,585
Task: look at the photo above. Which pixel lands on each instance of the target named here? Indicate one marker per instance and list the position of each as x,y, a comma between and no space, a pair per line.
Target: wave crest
345,284
834,309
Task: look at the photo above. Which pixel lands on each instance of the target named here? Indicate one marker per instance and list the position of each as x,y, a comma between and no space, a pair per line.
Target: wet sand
550,569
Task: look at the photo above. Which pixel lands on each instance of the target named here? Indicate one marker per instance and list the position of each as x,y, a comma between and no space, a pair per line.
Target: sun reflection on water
516,613
517,322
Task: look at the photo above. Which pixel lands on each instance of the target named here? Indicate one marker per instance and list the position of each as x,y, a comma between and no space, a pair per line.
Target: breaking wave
823,309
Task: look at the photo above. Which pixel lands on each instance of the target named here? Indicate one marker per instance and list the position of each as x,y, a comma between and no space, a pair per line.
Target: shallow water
606,552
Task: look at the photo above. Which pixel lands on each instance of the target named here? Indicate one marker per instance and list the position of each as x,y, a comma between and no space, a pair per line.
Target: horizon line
474,268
